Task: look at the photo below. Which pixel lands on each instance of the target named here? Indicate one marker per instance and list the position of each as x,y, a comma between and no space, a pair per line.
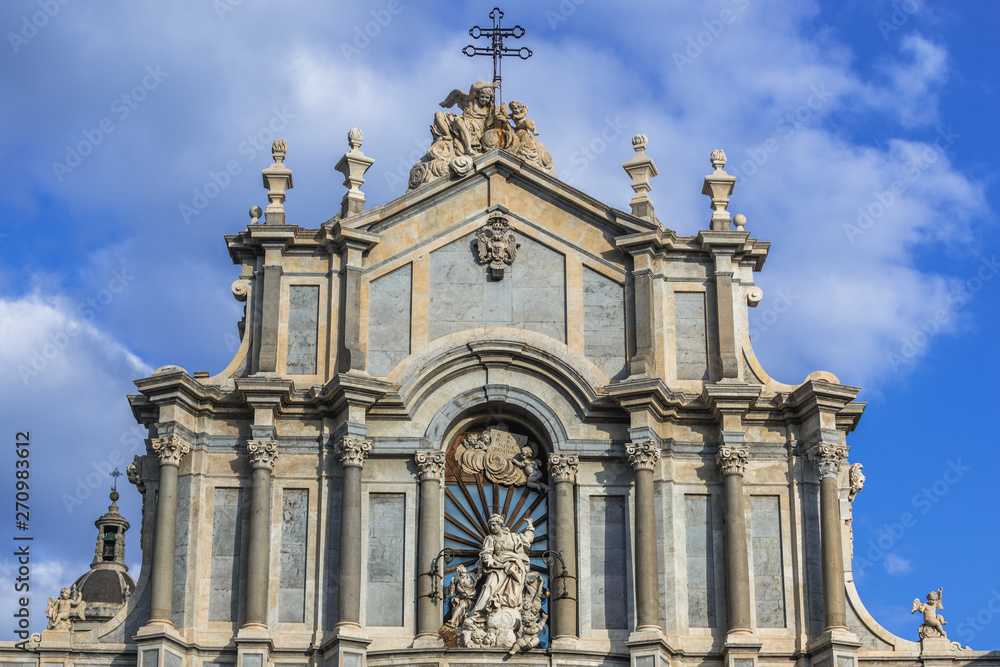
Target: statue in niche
504,564
59,610
462,590
933,625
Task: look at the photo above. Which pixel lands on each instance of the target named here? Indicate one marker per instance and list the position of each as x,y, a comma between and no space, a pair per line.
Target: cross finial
496,48
115,474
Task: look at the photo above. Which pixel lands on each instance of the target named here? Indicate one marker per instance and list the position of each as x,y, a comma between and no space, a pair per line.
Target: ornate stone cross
496,48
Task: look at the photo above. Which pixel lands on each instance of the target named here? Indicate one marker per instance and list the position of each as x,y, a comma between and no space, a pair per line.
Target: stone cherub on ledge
60,610
933,625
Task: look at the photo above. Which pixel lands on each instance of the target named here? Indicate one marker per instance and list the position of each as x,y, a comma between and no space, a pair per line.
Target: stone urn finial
355,137
718,159
639,142
278,150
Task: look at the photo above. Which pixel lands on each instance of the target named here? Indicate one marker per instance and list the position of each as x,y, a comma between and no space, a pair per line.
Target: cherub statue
532,468
462,589
933,625
472,636
60,610
531,625
518,111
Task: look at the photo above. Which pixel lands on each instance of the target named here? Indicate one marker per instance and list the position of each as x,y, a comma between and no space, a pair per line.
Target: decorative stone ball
255,213
739,220
114,496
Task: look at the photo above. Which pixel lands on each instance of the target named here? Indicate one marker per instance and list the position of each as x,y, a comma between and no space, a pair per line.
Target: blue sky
862,132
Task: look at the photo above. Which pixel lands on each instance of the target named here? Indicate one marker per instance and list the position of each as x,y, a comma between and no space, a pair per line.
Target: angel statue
462,589
60,610
933,625
477,116
532,468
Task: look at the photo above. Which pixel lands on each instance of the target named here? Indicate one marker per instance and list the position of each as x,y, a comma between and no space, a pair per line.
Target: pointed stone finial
641,168
353,166
719,185
278,180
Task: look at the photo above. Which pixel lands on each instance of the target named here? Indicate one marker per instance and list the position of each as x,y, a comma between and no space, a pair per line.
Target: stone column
352,453
732,462
431,468
262,454
562,473
644,457
827,458
170,449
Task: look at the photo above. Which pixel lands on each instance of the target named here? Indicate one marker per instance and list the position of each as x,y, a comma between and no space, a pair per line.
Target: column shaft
350,548
164,545
737,563
429,532
647,598
564,602
834,602
260,547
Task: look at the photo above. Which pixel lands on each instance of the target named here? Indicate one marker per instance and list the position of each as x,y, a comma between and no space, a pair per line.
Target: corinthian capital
732,460
827,459
170,449
643,455
430,465
262,453
353,452
563,467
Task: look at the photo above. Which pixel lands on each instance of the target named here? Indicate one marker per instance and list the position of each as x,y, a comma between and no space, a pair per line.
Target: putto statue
507,612
481,126
60,610
933,625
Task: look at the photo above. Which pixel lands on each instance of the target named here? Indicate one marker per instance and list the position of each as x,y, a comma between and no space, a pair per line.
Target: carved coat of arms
497,246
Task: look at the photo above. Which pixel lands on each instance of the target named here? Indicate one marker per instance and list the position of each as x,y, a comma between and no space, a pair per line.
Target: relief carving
496,245
170,449
501,457
262,453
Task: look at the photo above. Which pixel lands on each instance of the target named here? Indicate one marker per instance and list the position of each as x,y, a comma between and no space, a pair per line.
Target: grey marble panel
608,585
700,563
292,581
604,322
386,544
690,328
253,660
178,598
171,659
303,329
389,300
150,657
226,546
814,557
768,566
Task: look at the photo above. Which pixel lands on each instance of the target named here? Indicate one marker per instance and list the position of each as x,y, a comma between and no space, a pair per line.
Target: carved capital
430,465
732,460
170,449
643,455
262,453
353,452
827,459
563,467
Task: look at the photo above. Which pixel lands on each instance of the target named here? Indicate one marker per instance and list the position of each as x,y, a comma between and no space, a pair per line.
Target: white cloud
897,565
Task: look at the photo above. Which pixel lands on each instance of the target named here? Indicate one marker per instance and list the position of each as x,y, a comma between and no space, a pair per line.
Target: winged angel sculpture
60,610
481,126
933,625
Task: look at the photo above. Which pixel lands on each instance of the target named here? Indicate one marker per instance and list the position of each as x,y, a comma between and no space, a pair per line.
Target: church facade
491,420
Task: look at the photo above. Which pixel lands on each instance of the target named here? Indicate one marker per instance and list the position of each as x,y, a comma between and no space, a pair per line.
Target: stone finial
170,449
563,467
732,460
430,466
278,180
353,451
643,455
856,478
739,221
641,168
827,459
719,185
262,453
353,166
255,214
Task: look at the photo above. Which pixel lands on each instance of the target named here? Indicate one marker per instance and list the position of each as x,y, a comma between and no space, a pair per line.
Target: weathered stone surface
768,563
389,320
178,607
227,528
692,344
604,323
171,659
303,329
531,295
292,577
608,583
700,562
386,543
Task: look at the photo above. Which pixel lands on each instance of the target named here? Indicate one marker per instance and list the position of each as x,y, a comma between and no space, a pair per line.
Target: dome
105,590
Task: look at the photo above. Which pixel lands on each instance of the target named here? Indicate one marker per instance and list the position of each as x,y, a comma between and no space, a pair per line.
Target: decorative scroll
353,452
262,453
732,460
170,449
643,455
827,459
